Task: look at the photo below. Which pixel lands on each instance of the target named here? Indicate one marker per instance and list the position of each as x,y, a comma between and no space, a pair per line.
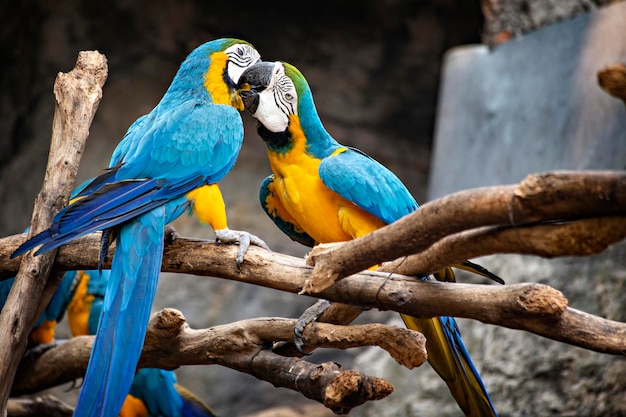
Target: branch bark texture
521,306
539,199
245,346
612,79
77,95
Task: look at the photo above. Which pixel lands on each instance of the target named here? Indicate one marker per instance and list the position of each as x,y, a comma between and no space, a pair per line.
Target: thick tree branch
540,198
77,95
522,306
244,346
532,307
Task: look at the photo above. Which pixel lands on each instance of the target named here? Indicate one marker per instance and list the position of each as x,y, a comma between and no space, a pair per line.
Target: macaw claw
244,239
171,234
309,316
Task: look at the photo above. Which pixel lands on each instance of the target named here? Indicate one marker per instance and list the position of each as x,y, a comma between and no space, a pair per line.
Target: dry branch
539,198
500,305
77,95
579,238
244,346
45,405
612,79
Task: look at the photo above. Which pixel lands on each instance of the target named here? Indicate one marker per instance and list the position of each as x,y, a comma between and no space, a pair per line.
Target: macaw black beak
252,81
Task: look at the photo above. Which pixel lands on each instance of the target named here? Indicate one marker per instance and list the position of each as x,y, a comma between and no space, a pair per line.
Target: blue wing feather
184,140
368,184
109,206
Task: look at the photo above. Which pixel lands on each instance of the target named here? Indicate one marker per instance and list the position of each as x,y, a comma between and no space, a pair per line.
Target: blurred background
448,94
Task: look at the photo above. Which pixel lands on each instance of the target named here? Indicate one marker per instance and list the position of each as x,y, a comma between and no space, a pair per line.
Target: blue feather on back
368,184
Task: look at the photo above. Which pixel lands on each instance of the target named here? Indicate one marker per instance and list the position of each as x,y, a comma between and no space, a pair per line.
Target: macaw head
214,68
279,97
270,92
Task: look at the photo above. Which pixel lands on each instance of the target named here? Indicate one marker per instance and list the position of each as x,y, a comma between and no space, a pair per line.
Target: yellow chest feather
322,213
79,308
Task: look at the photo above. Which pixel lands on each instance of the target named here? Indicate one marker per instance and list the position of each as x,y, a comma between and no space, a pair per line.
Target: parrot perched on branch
154,392
190,139
321,192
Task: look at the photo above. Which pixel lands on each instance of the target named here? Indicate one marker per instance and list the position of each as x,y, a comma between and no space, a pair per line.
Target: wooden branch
548,197
578,238
244,346
45,405
77,95
612,79
505,306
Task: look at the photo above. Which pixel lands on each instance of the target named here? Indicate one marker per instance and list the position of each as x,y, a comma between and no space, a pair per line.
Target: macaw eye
240,51
289,96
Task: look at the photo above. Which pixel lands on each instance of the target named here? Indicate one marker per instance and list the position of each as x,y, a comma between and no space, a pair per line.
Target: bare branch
578,238
548,197
77,96
45,405
521,306
612,79
244,346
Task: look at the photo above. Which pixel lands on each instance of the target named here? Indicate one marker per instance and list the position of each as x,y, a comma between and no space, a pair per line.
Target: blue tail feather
125,313
451,360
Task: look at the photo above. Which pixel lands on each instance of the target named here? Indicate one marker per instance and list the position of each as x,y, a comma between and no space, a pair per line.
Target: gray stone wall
530,105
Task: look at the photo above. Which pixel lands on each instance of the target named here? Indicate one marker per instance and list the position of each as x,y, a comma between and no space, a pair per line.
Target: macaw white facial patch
240,57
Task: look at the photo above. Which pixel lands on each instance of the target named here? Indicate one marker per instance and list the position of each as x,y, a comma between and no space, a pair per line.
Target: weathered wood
45,405
521,306
547,197
244,346
77,95
612,79
579,238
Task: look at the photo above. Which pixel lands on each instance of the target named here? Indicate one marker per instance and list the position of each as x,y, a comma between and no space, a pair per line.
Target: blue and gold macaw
43,332
189,140
154,392
321,191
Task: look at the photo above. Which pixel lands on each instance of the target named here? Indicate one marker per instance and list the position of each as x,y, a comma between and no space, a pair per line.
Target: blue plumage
190,139
362,180
156,389
53,312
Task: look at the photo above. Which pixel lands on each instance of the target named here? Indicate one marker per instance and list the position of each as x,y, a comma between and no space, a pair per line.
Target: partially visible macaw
44,331
154,392
321,191
189,140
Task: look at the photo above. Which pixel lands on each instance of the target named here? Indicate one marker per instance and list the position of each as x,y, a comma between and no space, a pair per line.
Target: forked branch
247,347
